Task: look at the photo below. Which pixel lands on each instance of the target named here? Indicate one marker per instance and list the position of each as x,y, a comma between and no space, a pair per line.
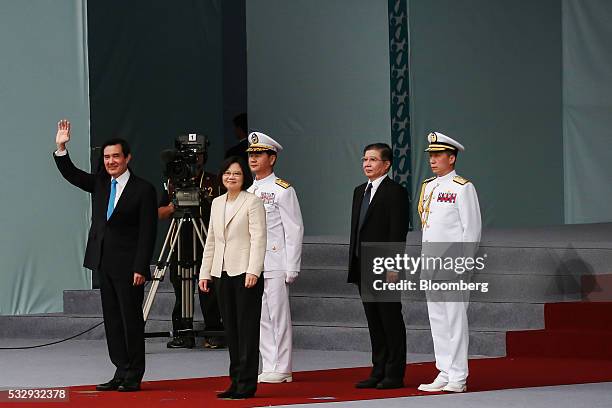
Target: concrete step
324,309
333,336
418,339
321,255
62,326
498,316
538,259
521,288
503,286
88,303
324,281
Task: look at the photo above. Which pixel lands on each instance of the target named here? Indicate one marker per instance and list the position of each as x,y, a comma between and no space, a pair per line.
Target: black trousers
241,313
208,304
124,324
388,338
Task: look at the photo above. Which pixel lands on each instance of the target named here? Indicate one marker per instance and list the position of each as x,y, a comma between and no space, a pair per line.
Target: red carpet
572,329
574,348
337,385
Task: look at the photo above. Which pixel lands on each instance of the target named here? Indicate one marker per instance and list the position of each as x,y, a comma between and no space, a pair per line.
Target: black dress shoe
112,385
242,395
129,386
227,393
181,342
388,384
369,383
214,342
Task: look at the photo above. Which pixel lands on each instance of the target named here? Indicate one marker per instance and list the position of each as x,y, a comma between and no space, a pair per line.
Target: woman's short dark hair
247,177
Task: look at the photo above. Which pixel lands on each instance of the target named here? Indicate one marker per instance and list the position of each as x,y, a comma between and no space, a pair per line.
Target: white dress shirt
121,180
375,185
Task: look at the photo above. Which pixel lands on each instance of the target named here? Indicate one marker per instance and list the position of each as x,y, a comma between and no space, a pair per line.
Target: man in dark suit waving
380,214
119,247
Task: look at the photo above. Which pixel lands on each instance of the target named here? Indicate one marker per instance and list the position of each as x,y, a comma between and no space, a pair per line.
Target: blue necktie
111,199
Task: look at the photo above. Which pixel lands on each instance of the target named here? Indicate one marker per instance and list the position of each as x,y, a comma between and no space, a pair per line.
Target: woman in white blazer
234,258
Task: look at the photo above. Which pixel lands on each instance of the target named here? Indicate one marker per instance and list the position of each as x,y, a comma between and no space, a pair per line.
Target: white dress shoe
275,378
436,386
455,387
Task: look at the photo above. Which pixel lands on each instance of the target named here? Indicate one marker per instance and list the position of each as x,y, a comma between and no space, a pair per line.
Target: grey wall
43,77
318,82
488,72
587,110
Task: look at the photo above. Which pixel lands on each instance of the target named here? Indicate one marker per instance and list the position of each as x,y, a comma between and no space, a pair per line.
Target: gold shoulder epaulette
460,180
429,179
283,183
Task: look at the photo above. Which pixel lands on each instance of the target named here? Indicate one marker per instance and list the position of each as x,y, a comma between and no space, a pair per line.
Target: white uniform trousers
275,343
449,330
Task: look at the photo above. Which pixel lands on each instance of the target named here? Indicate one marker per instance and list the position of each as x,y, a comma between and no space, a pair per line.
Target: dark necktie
365,203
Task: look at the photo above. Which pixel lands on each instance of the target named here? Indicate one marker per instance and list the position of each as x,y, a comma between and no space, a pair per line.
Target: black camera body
184,166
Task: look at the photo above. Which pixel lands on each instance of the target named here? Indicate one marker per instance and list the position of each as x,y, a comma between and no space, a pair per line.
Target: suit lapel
239,201
219,215
357,206
377,197
125,194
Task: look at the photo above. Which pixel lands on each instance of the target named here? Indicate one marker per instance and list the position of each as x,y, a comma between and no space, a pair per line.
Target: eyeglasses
370,160
232,173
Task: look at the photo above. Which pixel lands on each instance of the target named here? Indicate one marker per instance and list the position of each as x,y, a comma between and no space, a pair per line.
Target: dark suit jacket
123,244
386,220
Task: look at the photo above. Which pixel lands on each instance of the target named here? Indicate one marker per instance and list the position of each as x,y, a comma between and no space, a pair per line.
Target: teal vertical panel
488,72
587,110
400,90
318,82
43,77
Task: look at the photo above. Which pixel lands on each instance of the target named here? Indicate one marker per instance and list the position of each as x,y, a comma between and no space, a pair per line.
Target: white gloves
290,276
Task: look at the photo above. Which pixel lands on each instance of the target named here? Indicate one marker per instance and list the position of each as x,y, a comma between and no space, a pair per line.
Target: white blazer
236,244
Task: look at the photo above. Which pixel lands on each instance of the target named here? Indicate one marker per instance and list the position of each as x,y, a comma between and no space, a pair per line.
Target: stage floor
86,362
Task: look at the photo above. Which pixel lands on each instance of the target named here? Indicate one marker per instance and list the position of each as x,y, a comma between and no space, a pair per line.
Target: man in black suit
119,247
380,214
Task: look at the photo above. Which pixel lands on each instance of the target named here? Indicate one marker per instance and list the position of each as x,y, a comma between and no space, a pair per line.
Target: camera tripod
186,271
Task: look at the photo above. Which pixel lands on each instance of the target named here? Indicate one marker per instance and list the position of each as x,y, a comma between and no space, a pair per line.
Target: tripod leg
199,225
173,232
186,269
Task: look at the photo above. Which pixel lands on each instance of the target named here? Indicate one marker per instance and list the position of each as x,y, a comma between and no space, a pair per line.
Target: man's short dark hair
125,146
240,121
386,153
247,177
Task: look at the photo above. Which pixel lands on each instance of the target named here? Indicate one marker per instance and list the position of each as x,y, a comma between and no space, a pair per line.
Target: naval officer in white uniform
283,257
450,213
